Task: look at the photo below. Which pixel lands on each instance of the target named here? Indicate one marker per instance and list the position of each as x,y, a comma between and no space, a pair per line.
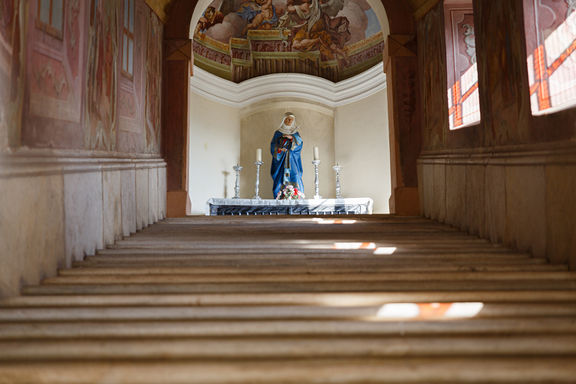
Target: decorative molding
423,7
158,7
556,153
28,163
288,85
288,104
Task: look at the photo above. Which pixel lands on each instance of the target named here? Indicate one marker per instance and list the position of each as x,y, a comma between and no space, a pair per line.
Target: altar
352,206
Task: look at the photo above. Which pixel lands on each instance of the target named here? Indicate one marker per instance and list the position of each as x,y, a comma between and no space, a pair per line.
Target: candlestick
316,163
259,154
237,168
257,187
316,153
338,168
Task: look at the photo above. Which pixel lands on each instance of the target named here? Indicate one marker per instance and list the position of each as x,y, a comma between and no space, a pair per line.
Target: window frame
455,109
128,37
538,64
47,27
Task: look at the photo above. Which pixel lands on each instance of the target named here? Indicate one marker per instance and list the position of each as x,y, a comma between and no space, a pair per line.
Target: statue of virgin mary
285,148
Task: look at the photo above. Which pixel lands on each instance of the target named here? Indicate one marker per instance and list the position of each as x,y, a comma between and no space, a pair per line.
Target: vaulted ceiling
417,7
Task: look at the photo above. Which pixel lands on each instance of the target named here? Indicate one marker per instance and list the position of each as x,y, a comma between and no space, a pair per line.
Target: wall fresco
463,93
153,84
334,39
102,77
63,88
53,105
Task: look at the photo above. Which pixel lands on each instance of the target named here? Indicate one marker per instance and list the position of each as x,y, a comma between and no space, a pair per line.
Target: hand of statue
288,136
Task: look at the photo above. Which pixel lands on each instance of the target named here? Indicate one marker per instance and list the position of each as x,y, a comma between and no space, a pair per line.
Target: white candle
316,154
259,154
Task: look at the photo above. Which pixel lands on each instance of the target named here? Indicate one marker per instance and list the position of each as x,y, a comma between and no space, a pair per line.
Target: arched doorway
401,86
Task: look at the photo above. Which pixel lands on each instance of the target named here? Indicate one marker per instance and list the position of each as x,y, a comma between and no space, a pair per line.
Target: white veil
288,129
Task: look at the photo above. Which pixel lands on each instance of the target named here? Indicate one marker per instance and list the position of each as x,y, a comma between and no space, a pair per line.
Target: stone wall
510,178
57,209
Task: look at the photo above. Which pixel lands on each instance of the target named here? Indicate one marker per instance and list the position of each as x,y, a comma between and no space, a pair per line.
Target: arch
376,5
180,13
176,72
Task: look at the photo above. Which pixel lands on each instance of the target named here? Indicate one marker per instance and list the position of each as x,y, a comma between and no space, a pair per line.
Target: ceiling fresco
334,39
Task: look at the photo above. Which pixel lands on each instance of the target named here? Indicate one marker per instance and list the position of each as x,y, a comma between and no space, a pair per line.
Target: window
550,44
463,94
128,39
93,11
50,17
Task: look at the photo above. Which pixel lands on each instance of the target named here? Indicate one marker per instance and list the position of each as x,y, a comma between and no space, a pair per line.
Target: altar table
352,206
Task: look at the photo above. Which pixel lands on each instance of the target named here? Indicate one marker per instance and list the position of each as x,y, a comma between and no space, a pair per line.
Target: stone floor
355,299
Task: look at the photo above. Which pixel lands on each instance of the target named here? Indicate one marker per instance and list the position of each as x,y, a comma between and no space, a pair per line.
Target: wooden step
386,312
310,250
296,298
318,263
281,328
288,348
537,370
348,286
80,269
318,277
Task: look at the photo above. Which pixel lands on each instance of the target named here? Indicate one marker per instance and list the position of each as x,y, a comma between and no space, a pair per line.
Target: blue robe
286,166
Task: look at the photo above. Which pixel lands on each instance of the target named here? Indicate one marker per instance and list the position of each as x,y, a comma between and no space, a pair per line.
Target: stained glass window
463,94
550,43
51,16
128,39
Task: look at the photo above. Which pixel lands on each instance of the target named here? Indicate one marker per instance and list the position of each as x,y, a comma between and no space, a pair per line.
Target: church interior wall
214,148
362,147
258,125
80,161
222,136
508,177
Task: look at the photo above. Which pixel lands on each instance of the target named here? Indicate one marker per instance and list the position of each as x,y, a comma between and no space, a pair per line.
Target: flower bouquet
289,192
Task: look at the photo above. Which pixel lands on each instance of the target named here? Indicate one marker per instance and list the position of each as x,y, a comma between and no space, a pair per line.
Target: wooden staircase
365,299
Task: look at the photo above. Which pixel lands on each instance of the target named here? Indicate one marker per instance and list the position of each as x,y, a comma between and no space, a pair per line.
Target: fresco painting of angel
325,28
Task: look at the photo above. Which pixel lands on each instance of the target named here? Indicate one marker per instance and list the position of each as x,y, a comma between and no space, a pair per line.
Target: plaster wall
221,136
362,147
260,121
214,149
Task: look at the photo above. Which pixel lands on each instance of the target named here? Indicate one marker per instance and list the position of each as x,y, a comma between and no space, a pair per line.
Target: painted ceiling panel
241,39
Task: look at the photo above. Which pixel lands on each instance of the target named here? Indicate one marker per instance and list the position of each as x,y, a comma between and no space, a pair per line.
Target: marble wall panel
455,194
142,199
432,65
31,230
526,208
153,195
128,180
421,194
162,191
475,200
428,188
112,205
439,206
83,214
561,214
495,203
